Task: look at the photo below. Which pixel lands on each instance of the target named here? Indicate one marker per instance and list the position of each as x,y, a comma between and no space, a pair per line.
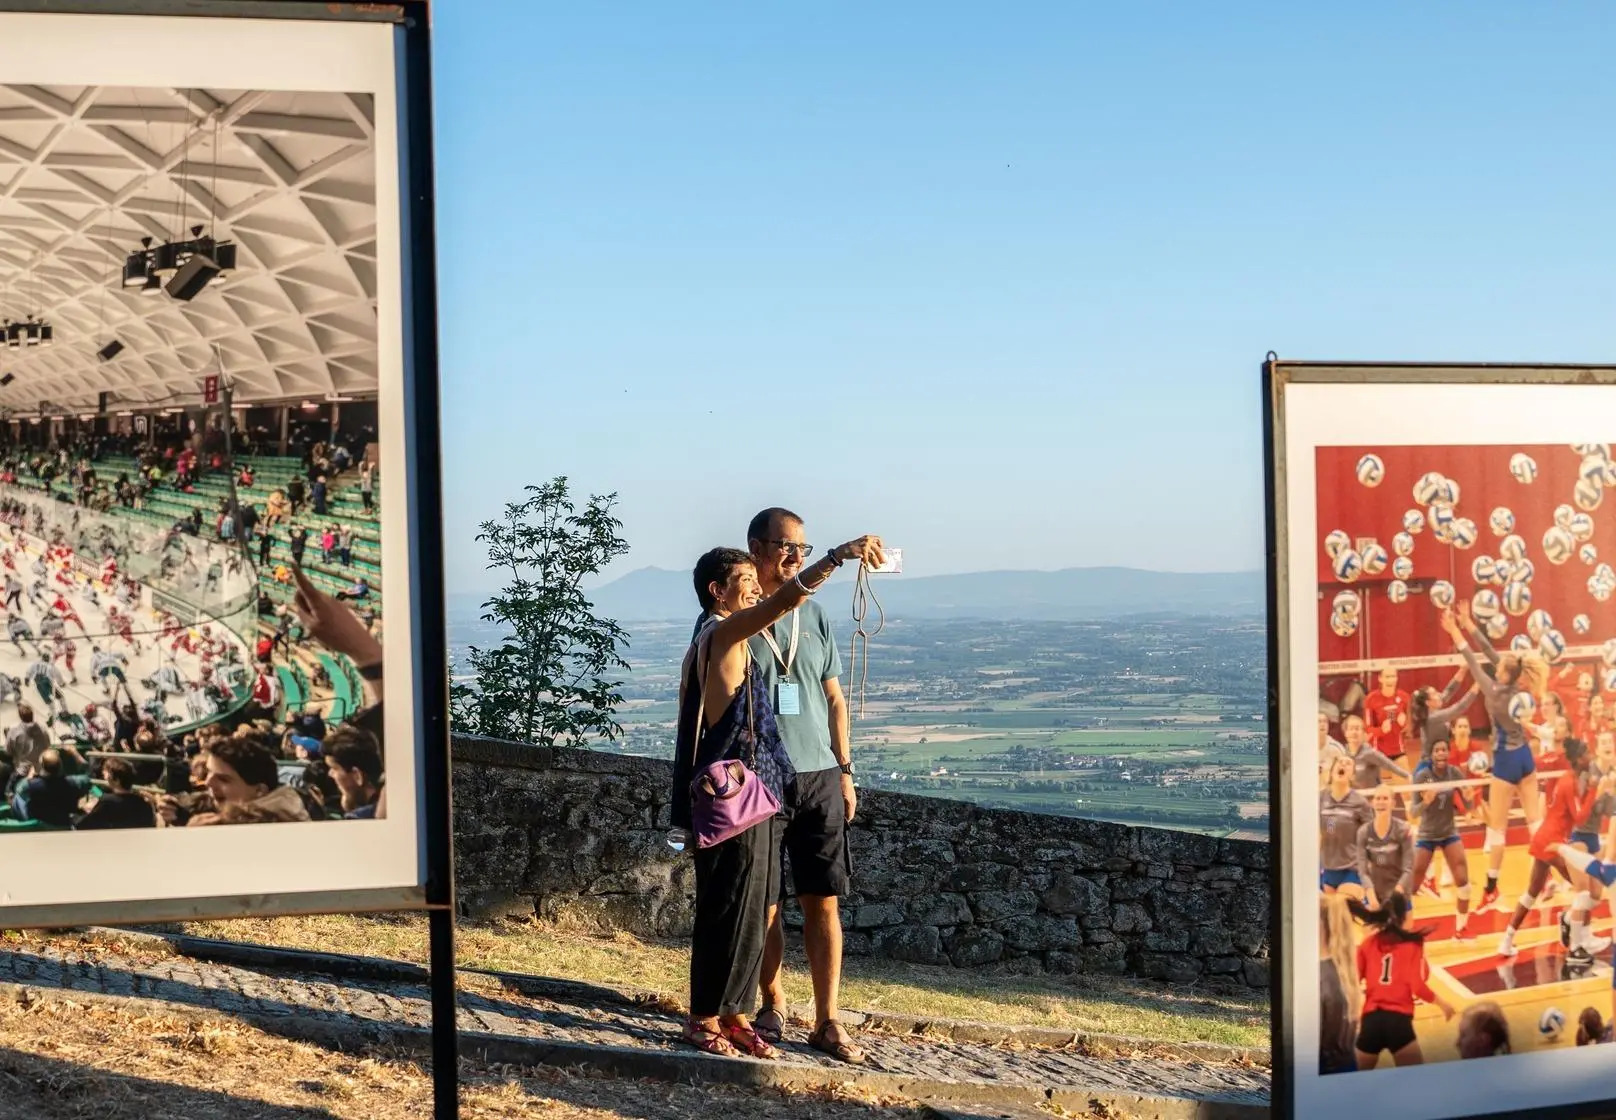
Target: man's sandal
770,1024
842,1049
707,1040
748,1041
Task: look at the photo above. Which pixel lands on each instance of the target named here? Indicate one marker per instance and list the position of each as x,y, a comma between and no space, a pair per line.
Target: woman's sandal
748,1041
707,1040
839,1048
770,1024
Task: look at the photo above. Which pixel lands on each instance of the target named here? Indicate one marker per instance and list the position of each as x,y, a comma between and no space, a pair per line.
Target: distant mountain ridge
659,595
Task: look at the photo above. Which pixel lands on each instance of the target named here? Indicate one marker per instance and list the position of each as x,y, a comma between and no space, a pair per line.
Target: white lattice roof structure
290,177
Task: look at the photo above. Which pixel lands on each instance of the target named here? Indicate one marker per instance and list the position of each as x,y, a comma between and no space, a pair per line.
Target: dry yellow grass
65,1061
1103,1005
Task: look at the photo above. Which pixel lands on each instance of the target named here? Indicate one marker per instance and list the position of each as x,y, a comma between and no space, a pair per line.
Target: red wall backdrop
1410,628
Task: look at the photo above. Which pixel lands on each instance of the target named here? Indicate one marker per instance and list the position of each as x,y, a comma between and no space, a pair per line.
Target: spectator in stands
119,806
249,520
266,543
277,510
51,796
298,539
359,592
317,493
266,694
367,485
296,493
328,543
26,741
245,479
354,760
243,787
345,546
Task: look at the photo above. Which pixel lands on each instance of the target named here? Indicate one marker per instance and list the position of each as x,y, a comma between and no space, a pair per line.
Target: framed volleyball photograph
1443,712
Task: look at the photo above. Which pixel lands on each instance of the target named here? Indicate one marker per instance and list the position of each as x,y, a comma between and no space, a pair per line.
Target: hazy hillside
654,594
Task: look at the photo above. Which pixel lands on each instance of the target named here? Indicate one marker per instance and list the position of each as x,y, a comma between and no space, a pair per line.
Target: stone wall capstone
935,882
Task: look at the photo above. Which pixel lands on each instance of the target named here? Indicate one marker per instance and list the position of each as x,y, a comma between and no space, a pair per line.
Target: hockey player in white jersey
107,669
48,682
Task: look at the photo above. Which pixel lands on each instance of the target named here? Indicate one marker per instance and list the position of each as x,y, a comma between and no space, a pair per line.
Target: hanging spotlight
152,286
137,265
149,269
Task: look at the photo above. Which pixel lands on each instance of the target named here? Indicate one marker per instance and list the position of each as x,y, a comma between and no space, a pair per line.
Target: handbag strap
703,646
751,725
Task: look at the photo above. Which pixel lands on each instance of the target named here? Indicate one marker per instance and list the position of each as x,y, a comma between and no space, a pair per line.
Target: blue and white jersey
104,661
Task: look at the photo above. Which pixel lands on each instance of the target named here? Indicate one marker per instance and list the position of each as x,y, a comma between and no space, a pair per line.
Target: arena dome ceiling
290,177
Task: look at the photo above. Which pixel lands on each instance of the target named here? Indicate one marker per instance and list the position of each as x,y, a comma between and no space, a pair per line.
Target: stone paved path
228,989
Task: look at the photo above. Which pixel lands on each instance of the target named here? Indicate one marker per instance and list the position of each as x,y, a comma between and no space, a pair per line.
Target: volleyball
1485,605
1484,569
1479,763
1442,594
1587,494
1550,1024
1592,468
1428,488
1374,560
1522,467
1464,533
1512,548
1413,521
1403,544
1344,625
1347,565
1336,543
1371,471
1448,492
1517,599
1607,653
1581,527
1552,646
1520,643
1599,589
1502,521
1521,571
1522,707
1397,591
1582,624
1402,567
1558,545
1496,628
1442,519
1602,450
1588,553
1347,602
1605,574
1563,515
1539,623
1609,477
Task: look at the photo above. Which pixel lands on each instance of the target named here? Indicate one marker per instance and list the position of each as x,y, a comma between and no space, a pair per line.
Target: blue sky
994,281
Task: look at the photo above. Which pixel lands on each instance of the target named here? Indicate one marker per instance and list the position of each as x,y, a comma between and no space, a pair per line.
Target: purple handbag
726,799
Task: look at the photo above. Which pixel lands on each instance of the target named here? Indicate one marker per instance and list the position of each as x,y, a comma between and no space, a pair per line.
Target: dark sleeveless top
732,737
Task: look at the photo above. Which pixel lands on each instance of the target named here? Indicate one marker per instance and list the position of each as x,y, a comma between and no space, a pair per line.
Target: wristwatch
846,768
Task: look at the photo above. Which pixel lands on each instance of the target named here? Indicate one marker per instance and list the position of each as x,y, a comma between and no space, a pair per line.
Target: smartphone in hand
894,564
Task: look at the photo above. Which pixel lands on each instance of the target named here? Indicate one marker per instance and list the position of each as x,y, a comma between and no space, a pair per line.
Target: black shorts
815,844
1385,1030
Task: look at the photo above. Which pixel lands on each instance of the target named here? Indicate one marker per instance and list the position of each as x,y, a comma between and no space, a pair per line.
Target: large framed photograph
218,465
1443,581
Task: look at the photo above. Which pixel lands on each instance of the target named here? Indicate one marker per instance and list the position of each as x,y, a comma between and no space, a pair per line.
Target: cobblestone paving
229,989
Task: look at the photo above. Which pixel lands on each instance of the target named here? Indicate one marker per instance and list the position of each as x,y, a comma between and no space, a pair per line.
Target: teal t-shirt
807,734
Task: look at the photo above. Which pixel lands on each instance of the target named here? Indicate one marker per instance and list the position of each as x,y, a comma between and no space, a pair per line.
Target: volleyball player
1385,851
1368,764
1343,813
1461,746
1576,924
1436,811
1329,750
1340,993
1434,711
1386,714
1514,769
1392,967
1574,795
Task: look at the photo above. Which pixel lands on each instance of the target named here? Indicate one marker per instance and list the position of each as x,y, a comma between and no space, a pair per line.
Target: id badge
787,701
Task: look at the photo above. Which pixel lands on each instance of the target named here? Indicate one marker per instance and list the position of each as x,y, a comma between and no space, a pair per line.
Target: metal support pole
445,1034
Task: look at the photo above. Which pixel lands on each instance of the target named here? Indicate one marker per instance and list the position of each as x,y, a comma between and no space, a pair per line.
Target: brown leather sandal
842,1049
707,1040
770,1023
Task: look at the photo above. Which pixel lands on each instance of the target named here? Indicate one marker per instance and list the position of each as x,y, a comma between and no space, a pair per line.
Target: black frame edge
1281,1088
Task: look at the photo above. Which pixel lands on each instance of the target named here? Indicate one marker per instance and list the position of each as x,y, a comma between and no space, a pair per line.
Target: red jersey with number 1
1394,972
1567,809
1380,708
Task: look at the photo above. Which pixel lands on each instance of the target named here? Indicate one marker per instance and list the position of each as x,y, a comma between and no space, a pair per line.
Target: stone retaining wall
936,882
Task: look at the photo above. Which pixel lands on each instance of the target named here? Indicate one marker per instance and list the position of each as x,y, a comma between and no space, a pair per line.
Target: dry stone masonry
937,882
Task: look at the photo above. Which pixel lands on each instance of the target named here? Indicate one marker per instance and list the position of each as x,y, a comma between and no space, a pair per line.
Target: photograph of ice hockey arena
190,485
1467,747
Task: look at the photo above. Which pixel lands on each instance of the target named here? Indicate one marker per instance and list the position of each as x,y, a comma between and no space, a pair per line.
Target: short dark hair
758,528
119,772
354,748
248,757
715,566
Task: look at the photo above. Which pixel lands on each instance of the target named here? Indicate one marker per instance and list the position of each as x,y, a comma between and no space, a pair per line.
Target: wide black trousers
735,883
